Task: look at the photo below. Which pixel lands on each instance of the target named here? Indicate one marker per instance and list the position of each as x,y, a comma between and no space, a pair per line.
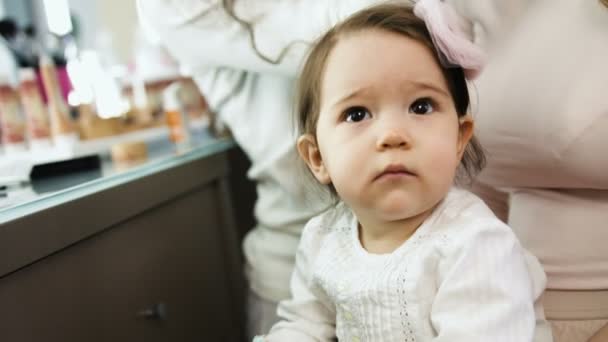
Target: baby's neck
382,237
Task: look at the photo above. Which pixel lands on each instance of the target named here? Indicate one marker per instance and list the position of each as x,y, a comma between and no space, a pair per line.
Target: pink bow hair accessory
447,31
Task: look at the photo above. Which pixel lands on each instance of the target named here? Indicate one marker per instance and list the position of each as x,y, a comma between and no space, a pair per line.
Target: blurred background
109,75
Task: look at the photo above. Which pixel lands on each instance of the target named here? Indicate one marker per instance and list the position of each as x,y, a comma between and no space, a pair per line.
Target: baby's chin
400,209
397,214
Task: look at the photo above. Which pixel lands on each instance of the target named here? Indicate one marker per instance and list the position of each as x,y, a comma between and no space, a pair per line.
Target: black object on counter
61,174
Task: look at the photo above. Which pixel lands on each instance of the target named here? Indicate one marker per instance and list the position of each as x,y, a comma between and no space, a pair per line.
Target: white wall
17,9
86,12
119,18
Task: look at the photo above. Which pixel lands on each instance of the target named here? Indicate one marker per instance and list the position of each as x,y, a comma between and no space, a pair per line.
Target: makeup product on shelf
62,126
91,126
141,105
36,115
11,119
176,118
128,154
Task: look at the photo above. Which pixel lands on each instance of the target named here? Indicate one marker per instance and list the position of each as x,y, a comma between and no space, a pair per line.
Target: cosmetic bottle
62,127
175,117
11,119
36,115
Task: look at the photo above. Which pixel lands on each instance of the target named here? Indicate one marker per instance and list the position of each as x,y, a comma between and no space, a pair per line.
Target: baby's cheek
340,167
443,161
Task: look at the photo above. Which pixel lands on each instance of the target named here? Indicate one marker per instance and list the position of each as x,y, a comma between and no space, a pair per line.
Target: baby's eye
422,106
356,114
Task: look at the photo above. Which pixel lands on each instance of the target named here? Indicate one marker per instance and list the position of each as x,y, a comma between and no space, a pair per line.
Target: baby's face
388,132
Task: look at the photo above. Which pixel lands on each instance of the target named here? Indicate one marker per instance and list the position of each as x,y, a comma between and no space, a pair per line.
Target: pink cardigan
542,116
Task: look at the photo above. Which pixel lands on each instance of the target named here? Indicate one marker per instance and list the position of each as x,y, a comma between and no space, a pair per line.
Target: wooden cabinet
168,270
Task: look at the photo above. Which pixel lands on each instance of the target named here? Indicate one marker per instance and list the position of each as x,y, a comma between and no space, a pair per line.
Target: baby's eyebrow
410,84
430,86
351,94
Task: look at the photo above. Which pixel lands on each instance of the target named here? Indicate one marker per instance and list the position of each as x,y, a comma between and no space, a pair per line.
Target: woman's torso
543,119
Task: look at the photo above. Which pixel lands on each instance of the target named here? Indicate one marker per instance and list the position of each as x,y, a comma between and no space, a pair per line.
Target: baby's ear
465,133
309,152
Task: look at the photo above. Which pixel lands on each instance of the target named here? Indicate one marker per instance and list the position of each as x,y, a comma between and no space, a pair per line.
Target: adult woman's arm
201,34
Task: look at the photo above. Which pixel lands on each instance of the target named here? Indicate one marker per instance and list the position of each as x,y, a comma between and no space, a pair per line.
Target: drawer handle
156,312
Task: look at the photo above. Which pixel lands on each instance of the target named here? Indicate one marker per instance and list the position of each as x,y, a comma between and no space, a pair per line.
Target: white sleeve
308,316
486,292
200,34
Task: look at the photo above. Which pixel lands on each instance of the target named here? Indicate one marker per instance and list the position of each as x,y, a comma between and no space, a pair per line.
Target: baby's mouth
395,170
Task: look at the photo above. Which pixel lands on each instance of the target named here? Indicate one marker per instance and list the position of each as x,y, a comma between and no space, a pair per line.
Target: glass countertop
35,196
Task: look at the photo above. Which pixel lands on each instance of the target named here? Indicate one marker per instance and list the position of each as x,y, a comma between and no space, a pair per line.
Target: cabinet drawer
174,255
